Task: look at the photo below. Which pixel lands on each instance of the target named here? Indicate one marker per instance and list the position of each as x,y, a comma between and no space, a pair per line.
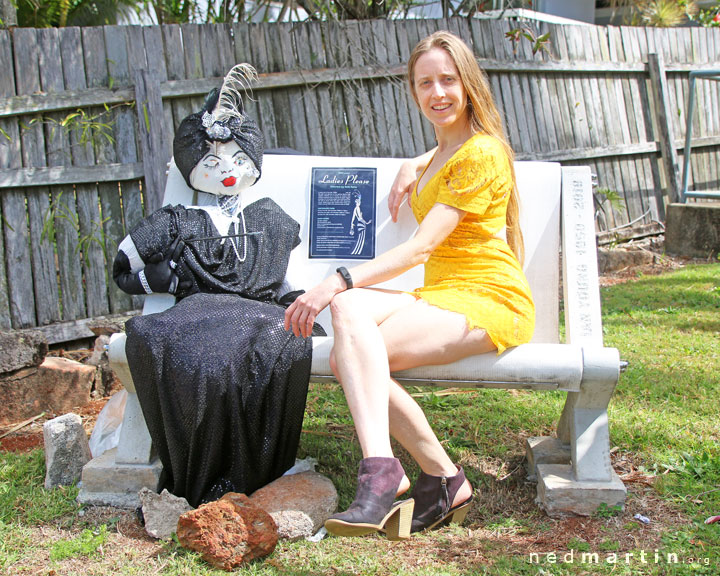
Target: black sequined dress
221,384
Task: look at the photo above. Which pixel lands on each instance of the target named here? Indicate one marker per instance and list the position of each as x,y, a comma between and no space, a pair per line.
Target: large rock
57,386
22,349
161,512
693,230
613,260
228,532
299,503
66,450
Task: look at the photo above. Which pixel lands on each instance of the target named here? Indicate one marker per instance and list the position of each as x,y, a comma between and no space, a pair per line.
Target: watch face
224,171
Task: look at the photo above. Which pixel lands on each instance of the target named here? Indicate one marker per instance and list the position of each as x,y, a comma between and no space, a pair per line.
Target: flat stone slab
108,483
559,494
299,503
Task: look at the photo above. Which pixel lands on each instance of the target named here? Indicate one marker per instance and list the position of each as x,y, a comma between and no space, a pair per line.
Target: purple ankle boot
433,497
374,507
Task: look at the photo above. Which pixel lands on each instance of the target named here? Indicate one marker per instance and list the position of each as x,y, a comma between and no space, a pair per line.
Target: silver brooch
218,132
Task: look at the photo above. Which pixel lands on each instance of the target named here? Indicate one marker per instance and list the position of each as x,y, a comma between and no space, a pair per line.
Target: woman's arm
440,221
405,179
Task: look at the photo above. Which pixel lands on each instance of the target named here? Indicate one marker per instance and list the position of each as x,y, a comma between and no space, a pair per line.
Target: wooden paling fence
87,117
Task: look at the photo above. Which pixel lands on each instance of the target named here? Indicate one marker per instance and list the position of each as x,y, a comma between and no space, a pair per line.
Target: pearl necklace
230,208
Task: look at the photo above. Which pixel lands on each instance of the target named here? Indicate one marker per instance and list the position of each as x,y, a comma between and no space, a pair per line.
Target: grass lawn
665,427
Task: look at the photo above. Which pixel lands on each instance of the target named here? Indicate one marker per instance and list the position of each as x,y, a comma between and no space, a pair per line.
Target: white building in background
580,10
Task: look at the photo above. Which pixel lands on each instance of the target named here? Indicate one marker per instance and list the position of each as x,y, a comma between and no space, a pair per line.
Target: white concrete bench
573,470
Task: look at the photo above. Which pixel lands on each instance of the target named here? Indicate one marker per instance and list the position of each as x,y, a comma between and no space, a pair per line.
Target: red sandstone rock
57,386
228,532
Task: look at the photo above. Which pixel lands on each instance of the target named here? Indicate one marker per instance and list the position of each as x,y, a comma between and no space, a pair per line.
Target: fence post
668,152
151,121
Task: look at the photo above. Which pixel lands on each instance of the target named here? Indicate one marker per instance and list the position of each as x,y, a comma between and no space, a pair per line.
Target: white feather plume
236,83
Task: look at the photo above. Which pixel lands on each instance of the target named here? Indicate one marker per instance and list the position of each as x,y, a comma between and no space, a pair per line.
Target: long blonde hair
483,114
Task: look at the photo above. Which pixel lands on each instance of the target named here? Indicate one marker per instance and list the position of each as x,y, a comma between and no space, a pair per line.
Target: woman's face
439,89
225,170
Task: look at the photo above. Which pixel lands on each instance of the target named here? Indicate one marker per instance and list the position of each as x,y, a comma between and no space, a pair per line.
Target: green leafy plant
58,210
605,198
699,465
578,544
605,511
88,128
537,43
47,13
657,13
87,543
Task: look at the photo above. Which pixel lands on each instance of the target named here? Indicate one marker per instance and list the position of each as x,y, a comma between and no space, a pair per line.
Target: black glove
157,276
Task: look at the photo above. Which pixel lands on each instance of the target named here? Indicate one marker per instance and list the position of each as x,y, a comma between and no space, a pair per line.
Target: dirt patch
633,260
30,435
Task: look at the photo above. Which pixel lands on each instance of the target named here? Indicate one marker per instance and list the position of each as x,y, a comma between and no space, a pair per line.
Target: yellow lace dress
473,271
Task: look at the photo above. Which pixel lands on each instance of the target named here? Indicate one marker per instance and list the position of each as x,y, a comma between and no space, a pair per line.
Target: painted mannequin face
224,171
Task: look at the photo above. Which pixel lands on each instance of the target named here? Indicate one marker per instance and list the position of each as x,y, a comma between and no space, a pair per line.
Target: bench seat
573,469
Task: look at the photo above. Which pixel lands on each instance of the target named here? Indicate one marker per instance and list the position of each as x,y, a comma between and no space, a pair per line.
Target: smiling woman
438,90
475,298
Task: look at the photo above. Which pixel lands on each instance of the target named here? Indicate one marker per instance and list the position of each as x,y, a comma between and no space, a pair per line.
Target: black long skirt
222,388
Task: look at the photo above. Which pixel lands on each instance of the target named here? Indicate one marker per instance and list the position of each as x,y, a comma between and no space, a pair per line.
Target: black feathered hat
221,119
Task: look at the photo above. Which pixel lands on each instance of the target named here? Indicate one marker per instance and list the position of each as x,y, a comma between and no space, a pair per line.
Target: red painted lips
229,181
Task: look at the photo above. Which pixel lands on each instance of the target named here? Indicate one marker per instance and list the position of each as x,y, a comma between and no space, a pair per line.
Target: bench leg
116,476
574,472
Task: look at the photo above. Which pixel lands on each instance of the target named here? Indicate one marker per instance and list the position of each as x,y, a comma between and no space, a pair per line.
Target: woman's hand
301,314
402,186
405,181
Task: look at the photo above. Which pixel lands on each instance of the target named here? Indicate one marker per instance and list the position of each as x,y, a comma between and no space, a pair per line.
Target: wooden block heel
397,526
454,516
396,523
457,516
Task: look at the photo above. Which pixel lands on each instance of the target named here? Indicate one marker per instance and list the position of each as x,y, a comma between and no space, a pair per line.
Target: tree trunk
8,14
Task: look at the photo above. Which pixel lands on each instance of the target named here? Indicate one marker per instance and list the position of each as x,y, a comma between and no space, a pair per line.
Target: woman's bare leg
440,337
360,362
410,333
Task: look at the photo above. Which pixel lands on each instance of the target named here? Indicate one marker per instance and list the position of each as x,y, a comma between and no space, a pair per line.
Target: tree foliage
46,13
43,13
657,13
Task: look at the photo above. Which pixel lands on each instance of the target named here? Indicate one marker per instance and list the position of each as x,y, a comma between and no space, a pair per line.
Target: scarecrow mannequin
221,383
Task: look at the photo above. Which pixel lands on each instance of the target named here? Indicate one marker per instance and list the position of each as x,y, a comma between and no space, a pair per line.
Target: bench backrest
286,179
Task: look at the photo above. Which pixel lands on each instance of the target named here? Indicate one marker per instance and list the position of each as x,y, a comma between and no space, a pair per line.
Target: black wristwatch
345,276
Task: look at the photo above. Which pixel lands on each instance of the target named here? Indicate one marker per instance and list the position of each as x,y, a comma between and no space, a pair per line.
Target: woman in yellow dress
475,298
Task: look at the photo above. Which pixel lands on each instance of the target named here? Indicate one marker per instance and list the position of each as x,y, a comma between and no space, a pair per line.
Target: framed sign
342,213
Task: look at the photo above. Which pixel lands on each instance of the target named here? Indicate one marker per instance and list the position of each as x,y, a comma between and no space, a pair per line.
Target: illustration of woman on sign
361,226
